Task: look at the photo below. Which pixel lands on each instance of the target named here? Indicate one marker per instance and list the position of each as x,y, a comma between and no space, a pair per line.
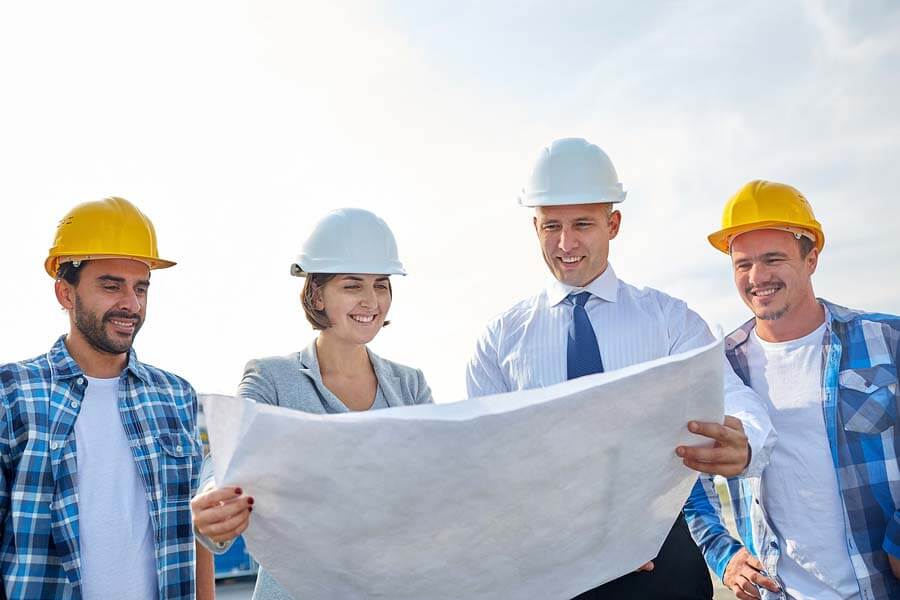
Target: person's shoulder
31,366
650,295
844,314
161,378
521,310
275,363
23,374
395,368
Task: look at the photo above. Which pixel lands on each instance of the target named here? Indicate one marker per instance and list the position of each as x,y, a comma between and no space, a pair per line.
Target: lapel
387,381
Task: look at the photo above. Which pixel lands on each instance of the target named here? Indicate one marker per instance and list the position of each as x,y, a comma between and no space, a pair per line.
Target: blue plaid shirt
39,403
860,354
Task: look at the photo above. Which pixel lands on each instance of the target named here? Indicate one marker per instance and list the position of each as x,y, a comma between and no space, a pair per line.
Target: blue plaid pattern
39,403
860,374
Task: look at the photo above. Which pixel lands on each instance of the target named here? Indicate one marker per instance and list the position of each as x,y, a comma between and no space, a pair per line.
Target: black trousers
679,573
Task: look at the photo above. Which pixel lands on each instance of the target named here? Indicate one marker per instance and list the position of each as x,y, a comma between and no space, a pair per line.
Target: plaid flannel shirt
860,354
39,540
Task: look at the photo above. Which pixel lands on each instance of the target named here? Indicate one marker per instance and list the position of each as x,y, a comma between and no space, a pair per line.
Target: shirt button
74,403
774,544
80,381
54,446
178,448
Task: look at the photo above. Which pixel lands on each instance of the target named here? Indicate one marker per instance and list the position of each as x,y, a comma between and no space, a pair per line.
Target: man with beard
99,453
823,520
587,320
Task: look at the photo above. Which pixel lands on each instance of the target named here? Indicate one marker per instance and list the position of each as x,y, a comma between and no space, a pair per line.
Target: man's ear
65,294
812,260
614,222
534,222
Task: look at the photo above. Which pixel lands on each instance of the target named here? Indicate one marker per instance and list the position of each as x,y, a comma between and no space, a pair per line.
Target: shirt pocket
868,398
176,465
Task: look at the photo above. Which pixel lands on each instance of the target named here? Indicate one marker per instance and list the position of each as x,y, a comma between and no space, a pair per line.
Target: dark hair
314,282
806,245
70,272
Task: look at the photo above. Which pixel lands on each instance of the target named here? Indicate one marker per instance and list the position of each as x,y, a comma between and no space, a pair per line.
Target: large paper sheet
537,494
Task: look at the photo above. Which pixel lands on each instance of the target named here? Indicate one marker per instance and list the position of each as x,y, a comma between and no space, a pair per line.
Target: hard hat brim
51,265
549,199
721,240
299,271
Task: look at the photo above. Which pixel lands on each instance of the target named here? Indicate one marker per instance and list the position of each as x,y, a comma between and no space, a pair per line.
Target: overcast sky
235,125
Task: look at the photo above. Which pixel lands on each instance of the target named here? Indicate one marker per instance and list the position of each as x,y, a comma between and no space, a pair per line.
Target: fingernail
692,426
238,491
679,451
250,509
250,500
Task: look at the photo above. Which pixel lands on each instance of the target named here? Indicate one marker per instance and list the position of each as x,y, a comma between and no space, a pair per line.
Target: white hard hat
349,240
572,171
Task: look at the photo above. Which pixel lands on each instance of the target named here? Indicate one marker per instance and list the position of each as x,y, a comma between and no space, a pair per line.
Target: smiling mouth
124,326
364,319
570,260
765,291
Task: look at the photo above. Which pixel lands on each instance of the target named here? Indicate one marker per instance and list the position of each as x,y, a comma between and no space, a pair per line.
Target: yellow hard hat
108,228
767,205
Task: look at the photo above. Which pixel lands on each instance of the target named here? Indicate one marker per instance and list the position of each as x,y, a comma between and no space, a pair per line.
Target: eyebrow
114,279
763,256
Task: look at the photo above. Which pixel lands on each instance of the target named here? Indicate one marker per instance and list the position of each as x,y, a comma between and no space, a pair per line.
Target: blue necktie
582,353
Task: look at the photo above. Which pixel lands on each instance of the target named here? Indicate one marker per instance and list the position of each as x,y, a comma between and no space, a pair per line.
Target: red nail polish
250,509
250,500
238,491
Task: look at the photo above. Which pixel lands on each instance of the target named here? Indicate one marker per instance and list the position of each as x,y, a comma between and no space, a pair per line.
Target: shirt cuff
762,438
213,546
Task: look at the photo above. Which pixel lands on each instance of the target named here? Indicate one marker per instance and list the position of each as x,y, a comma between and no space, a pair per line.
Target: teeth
122,323
570,259
765,292
363,318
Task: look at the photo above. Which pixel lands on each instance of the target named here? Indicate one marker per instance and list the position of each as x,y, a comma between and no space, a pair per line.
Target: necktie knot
579,299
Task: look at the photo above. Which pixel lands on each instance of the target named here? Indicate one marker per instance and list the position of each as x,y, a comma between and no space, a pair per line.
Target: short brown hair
314,282
806,245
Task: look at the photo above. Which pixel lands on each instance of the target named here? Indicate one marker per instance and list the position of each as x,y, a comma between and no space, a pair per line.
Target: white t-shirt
800,493
118,556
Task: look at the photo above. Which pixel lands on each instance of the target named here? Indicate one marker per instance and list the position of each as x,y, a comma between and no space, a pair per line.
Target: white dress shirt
525,346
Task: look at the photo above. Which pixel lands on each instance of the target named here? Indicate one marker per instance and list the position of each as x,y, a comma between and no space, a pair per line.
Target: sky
236,125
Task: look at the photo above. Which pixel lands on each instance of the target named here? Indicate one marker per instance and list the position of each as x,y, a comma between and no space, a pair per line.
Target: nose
130,300
567,240
368,299
758,274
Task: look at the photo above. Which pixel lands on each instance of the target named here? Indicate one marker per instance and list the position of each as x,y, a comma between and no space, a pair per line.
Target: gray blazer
294,381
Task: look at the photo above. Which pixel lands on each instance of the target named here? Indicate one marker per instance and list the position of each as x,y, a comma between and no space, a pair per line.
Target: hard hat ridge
108,228
572,171
761,204
349,240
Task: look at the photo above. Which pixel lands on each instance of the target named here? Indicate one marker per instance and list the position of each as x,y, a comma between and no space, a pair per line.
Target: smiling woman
347,262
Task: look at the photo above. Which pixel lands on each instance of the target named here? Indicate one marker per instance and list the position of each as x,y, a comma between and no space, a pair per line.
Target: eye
583,224
351,286
550,227
141,290
381,286
111,287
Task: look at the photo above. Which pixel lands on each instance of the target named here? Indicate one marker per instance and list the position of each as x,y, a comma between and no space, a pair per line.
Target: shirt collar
740,335
65,367
605,287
